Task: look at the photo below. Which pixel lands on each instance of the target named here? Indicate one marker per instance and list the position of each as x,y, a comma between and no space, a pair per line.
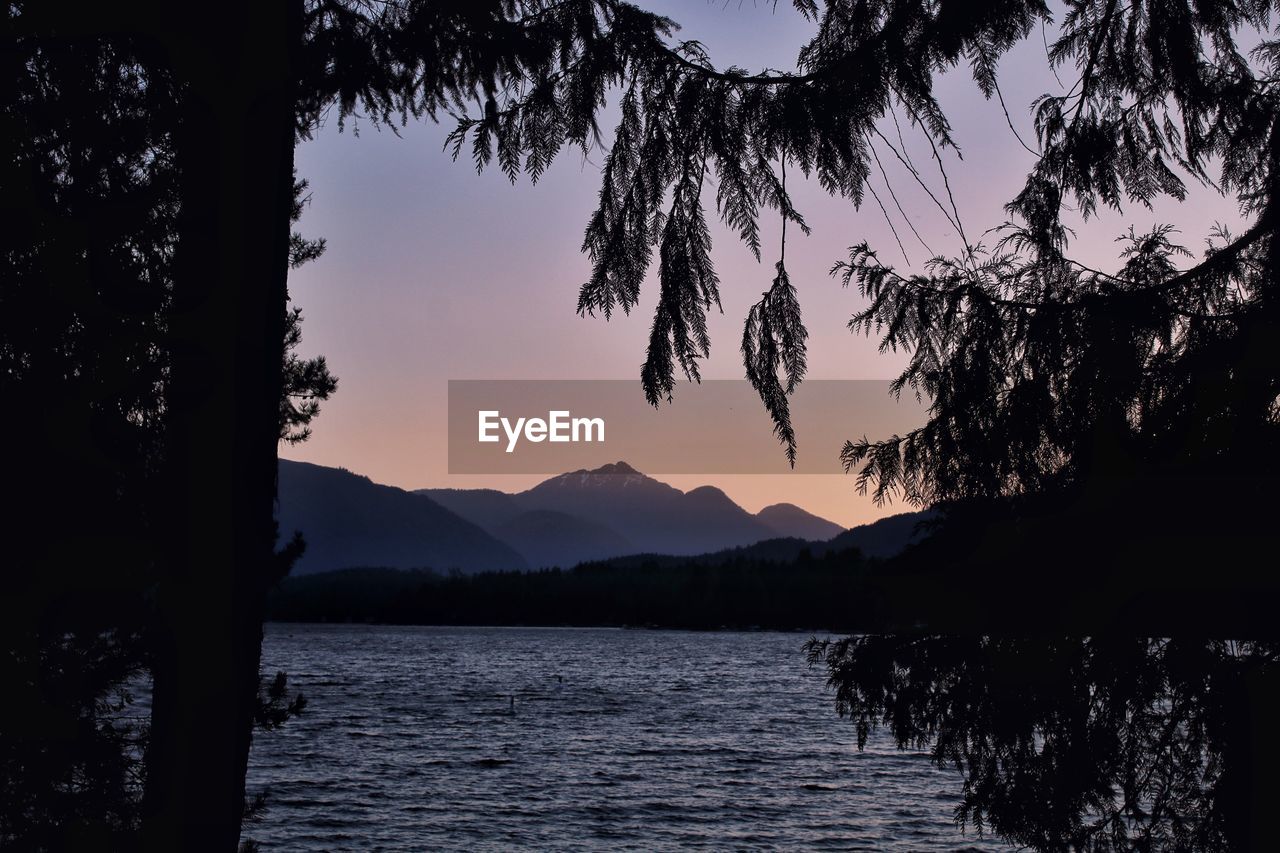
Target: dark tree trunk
235,150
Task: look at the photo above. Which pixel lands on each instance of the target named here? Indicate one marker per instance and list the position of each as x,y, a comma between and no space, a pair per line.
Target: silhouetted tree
1061,396
90,183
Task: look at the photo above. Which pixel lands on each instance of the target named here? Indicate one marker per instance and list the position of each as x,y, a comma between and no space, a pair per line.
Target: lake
570,739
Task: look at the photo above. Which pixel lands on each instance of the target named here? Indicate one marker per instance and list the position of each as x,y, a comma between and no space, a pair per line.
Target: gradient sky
434,272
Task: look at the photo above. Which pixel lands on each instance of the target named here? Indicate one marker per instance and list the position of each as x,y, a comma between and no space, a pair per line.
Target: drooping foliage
773,339
684,125
1162,87
1042,372
1083,744
1164,93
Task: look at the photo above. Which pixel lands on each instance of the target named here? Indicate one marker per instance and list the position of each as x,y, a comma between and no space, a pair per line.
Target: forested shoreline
741,593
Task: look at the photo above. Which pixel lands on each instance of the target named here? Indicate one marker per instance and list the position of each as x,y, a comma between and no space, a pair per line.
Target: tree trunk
235,150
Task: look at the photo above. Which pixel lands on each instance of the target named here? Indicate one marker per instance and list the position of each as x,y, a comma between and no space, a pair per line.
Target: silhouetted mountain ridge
349,520
586,515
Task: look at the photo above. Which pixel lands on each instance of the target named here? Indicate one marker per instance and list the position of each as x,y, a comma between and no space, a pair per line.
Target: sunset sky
435,273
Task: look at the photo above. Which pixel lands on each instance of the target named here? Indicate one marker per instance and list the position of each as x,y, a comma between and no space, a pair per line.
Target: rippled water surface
615,739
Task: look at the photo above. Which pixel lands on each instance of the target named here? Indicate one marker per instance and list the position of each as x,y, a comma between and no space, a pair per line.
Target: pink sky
436,273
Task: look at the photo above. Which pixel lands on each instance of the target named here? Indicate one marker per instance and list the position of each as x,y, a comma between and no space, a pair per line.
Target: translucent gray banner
715,427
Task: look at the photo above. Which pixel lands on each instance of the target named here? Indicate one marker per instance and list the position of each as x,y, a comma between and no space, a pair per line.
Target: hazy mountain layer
348,520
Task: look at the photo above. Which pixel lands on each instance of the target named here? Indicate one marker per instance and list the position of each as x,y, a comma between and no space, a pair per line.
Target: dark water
647,740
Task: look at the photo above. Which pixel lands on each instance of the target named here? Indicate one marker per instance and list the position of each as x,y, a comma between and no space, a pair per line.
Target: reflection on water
419,738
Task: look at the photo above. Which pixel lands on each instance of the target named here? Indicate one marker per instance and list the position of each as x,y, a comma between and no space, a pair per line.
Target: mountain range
612,511
615,510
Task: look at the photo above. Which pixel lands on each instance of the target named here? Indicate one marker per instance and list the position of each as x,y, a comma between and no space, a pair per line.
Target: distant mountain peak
608,477
710,494
614,468
790,520
783,508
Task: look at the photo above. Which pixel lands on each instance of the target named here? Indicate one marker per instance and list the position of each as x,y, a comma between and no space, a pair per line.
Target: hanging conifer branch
676,107
1162,88
774,338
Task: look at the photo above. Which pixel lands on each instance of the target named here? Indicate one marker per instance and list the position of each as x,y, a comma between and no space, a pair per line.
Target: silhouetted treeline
829,592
